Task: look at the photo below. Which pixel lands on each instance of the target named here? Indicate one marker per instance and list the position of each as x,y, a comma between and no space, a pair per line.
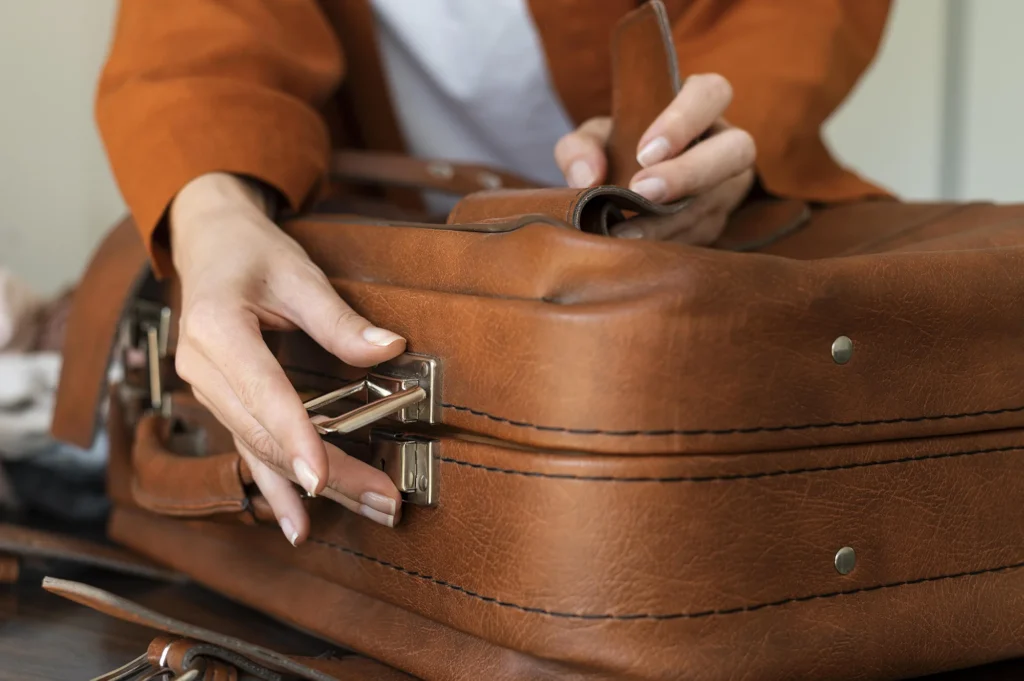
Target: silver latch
411,462
406,388
146,333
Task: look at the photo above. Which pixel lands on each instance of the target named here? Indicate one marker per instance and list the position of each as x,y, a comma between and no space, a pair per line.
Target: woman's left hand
718,172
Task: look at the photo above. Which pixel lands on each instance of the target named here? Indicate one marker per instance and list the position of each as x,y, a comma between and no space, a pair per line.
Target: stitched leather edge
730,431
654,616
728,478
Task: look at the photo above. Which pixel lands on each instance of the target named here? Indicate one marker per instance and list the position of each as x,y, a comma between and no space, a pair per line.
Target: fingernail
630,233
376,516
380,337
289,531
653,152
307,478
379,502
580,174
651,188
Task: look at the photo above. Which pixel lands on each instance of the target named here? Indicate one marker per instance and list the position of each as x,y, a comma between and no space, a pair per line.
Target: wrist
208,199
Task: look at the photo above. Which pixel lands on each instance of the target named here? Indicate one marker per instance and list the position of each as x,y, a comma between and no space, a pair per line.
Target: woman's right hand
239,274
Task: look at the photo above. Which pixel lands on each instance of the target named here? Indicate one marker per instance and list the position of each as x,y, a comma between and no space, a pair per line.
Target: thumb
580,154
320,312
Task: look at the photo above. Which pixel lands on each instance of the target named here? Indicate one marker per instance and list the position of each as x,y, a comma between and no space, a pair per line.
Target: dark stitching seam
730,431
723,431
651,616
723,478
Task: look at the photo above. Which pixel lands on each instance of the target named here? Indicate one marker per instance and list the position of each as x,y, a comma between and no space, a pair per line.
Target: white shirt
469,82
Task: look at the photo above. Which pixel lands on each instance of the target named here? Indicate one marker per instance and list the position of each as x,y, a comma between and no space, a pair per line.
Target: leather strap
16,540
645,80
389,169
185,647
114,274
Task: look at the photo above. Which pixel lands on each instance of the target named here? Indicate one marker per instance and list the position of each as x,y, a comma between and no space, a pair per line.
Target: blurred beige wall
57,196
56,193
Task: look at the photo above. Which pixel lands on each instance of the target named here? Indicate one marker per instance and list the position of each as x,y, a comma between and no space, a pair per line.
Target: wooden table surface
46,638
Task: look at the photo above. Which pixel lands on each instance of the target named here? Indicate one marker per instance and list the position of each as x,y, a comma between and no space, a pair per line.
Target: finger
721,202
235,351
700,102
313,305
700,222
722,156
362,488
580,154
280,494
354,484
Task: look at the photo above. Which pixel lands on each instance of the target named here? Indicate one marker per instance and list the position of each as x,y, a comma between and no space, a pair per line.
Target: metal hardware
842,350
407,387
488,180
411,462
127,671
846,560
146,333
405,371
441,170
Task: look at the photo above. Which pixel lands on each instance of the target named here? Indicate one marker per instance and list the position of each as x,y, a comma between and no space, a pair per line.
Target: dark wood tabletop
46,638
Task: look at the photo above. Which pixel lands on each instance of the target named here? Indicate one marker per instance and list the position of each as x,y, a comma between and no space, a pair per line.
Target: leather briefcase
793,455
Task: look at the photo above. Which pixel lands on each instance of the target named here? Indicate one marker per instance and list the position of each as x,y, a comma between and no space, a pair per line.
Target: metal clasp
146,332
407,390
412,462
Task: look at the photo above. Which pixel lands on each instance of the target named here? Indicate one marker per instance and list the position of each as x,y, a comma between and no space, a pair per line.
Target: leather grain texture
649,456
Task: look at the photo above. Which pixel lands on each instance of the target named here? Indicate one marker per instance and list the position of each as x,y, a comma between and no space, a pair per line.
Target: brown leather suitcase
793,455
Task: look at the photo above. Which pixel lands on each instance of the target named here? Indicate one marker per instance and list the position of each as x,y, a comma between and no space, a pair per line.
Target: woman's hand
239,274
717,172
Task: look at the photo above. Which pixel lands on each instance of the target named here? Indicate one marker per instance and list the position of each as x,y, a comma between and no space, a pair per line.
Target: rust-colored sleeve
196,86
791,64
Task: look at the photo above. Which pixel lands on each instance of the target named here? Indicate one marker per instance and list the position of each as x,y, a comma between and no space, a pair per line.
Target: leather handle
172,484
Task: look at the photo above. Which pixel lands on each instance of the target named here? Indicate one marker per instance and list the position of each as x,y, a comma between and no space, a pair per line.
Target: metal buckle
406,389
147,330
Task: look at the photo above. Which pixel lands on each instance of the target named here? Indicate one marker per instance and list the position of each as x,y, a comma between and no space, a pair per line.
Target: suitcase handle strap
186,651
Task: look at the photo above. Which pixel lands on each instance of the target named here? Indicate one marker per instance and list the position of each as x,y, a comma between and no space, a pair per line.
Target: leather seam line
730,431
728,478
654,616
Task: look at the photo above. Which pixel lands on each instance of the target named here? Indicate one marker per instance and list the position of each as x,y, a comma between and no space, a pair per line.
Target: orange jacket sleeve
791,64
196,86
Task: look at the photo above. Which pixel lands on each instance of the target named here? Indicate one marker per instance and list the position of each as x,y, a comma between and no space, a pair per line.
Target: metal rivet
842,350
489,180
846,559
422,483
410,480
441,170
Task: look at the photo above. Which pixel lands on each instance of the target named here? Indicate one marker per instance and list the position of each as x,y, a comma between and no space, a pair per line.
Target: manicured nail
653,152
580,174
376,516
307,478
630,233
651,188
379,502
380,337
289,531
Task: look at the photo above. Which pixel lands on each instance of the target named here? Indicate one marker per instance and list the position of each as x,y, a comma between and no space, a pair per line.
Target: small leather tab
759,224
645,80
